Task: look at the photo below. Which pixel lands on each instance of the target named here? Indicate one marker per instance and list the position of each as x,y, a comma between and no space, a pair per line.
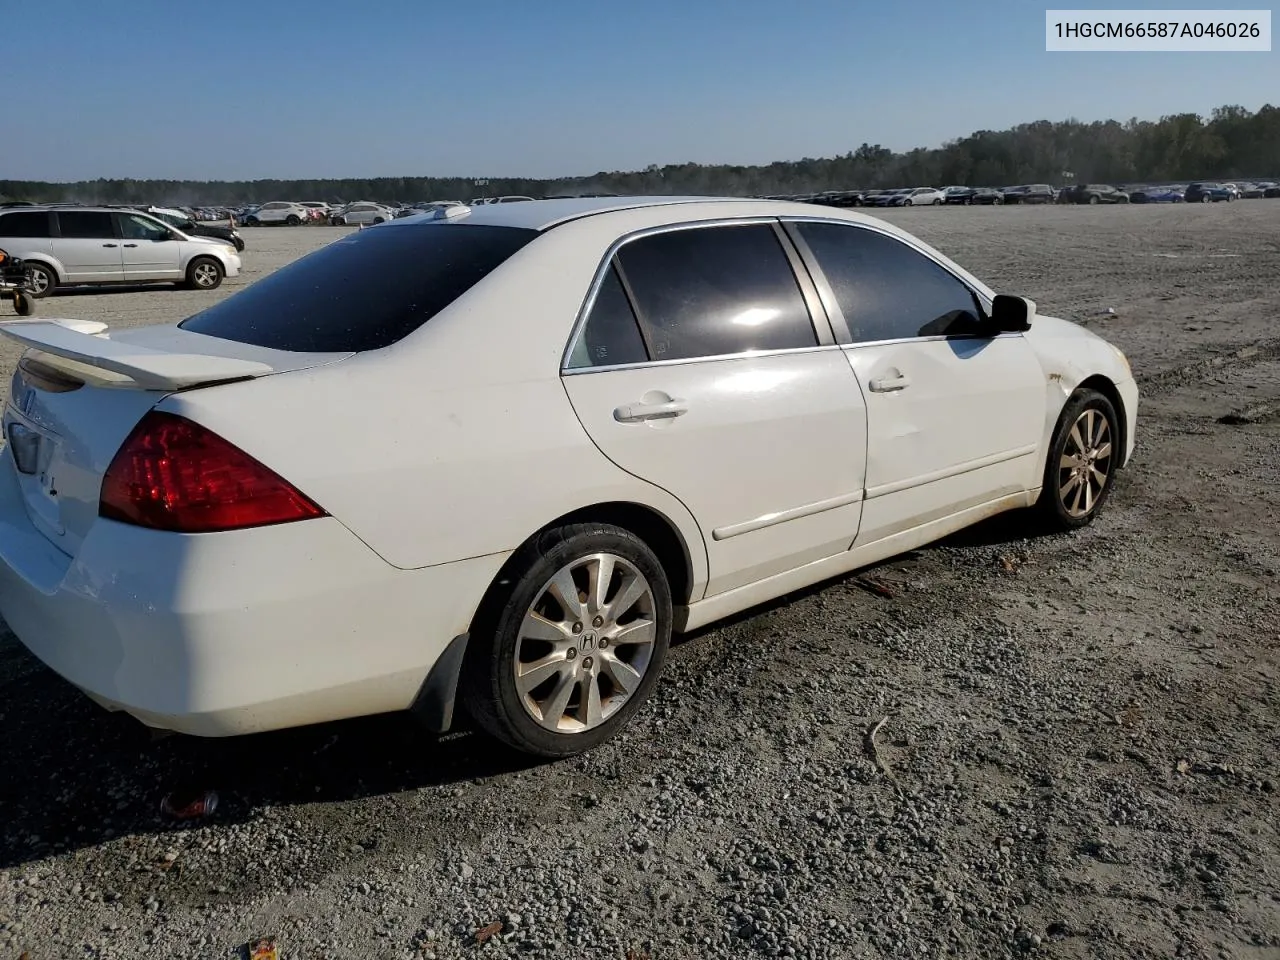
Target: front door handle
890,384
130,244
109,244
640,412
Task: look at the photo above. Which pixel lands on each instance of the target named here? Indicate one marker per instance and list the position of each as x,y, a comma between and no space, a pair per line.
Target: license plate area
34,449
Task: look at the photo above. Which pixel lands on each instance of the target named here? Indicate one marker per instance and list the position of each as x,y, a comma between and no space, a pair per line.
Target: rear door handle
640,412
890,384
109,244
130,244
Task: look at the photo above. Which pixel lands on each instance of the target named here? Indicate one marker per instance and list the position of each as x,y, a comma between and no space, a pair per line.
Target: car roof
82,207
544,214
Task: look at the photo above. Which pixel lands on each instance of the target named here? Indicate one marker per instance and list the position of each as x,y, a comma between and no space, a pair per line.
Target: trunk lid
77,394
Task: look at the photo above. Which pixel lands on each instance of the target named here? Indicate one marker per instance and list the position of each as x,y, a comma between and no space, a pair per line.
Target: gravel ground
1078,760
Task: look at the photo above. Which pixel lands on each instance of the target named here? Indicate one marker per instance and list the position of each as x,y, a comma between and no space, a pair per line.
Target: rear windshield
363,292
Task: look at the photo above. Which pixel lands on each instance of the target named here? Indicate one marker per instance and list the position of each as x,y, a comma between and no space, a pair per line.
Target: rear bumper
231,633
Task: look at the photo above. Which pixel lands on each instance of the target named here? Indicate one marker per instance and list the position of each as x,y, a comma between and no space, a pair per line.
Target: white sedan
550,435
358,214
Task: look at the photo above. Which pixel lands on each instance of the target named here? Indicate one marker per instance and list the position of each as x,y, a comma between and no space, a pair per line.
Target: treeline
1232,142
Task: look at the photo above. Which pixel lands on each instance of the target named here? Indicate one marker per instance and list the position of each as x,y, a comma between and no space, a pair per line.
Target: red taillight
173,474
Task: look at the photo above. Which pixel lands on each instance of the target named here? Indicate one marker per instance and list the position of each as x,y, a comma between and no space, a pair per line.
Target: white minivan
69,246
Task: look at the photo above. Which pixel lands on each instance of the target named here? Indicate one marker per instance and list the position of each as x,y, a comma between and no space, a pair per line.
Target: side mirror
1012,314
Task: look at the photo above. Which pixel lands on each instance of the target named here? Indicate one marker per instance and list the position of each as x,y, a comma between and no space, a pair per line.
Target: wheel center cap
587,641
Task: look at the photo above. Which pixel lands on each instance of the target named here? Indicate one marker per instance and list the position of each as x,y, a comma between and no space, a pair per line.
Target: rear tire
291,220
566,700
43,279
204,273
1083,458
23,304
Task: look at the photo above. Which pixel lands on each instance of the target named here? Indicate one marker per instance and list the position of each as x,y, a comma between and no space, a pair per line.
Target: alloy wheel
585,643
39,282
205,275
1085,468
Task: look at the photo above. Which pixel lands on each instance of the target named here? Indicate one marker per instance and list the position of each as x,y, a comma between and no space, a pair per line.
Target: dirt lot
1079,757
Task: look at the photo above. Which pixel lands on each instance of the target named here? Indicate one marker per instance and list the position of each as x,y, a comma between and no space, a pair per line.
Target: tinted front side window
32,225
886,290
611,334
134,227
86,225
325,303
716,290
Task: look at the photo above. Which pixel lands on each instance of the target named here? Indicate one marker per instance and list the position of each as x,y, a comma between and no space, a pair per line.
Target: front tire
204,273
570,642
1083,459
43,281
23,304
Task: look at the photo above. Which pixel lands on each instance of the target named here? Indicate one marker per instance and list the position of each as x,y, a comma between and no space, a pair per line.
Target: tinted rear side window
611,335
711,291
30,225
363,292
86,225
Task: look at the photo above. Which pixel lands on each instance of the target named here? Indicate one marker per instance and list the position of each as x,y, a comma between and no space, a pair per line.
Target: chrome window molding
716,358
602,268
831,312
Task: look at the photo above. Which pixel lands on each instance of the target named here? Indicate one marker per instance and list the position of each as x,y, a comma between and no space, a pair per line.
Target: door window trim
827,292
818,317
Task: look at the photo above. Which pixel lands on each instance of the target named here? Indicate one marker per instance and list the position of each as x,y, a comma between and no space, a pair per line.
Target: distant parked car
276,212
354,214
839,198
69,246
1157,195
958,195
1271,190
1095,193
920,197
1208,193
988,196
883,198
176,218
1030,193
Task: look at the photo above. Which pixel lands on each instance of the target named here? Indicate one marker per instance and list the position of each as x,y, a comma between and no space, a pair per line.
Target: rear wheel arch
658,533
436,702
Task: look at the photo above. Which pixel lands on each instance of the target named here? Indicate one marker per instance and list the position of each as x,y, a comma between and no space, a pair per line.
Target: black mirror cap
1012,314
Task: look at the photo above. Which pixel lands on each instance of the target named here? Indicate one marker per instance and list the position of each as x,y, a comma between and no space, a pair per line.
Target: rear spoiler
83,343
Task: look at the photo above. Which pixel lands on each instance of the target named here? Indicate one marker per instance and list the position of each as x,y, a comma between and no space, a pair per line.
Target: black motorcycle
15,285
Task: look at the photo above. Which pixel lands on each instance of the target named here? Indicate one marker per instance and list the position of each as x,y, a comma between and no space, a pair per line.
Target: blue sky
332,88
